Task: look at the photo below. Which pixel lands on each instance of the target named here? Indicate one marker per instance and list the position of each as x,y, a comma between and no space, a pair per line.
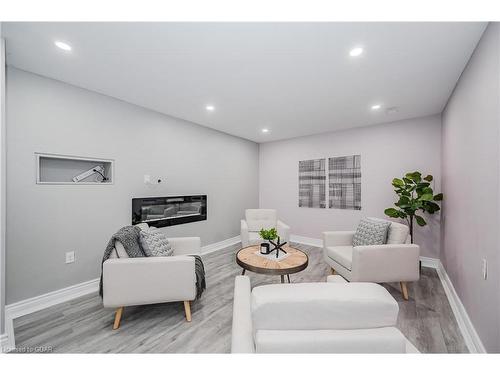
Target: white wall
45,221
387,151
2,181
471,172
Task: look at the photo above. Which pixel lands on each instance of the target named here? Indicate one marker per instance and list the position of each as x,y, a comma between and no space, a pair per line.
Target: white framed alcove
55,169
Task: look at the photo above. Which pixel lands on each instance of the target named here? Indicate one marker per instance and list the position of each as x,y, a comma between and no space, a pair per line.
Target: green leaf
414,176
404,200
438,197
426,197
431,207
407,180
423,190
391,212
428,178
403,206
420,220
397,182
402,214
427,190
422,184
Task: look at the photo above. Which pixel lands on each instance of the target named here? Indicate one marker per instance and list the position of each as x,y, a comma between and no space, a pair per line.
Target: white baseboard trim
310,241
220,245
430,262
10,340
30,305
4,347
471,338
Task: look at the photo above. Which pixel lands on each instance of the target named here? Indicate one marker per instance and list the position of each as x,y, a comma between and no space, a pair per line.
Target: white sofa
142,281
396,261
332,317
257,219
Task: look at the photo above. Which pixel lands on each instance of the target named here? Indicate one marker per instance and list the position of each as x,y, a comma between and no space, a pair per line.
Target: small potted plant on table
270,235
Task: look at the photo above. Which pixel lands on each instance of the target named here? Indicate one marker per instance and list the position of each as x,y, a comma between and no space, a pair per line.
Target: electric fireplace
166,211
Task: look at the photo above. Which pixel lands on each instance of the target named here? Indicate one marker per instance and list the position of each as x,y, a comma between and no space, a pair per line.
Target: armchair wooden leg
118,317
404,290
333,271
187,309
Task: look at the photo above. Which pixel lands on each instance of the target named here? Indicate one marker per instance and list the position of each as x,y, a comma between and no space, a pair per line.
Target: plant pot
264,248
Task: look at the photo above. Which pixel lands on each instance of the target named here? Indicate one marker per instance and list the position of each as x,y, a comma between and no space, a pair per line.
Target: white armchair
142,281
332,317
396,261
255,220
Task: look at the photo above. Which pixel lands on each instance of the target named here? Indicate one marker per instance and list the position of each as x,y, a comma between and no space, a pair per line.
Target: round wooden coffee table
296,261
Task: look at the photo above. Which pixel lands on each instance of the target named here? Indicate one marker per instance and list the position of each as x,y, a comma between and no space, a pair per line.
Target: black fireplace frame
138,203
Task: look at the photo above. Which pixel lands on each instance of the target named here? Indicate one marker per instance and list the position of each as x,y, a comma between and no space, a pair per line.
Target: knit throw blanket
129,237
199,269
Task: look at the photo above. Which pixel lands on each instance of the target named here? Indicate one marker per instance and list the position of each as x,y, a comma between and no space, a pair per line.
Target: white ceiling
293,78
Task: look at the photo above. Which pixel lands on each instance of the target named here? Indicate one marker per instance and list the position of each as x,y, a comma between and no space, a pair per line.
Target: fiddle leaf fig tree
415,195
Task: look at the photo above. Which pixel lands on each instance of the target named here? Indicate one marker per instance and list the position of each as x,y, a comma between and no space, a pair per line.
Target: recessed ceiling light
265,130
355,52
62,45
376,107
210,108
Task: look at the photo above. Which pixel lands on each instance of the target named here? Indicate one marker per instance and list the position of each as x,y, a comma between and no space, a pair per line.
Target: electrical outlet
147,179
70,257
485,268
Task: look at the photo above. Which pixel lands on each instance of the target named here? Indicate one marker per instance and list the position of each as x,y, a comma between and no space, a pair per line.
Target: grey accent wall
471,169
45,221
387,151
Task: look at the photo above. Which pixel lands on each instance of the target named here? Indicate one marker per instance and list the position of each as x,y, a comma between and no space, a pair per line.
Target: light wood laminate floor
84,326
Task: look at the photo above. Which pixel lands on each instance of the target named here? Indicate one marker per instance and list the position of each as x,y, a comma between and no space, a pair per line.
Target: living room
181,187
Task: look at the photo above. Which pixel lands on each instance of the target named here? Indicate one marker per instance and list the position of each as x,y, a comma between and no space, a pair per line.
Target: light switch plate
485,269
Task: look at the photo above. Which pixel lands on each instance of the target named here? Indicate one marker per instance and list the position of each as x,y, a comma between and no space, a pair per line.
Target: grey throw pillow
154,243
371,232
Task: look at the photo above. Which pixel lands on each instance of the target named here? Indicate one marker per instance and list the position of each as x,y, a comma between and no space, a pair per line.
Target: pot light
62,45
210,108
265,130
355,52
376,107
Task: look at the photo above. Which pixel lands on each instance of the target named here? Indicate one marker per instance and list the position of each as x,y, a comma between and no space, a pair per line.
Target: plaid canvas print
312,181
345,182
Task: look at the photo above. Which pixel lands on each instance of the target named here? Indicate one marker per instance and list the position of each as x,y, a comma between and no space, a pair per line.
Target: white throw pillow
398,233
154,243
